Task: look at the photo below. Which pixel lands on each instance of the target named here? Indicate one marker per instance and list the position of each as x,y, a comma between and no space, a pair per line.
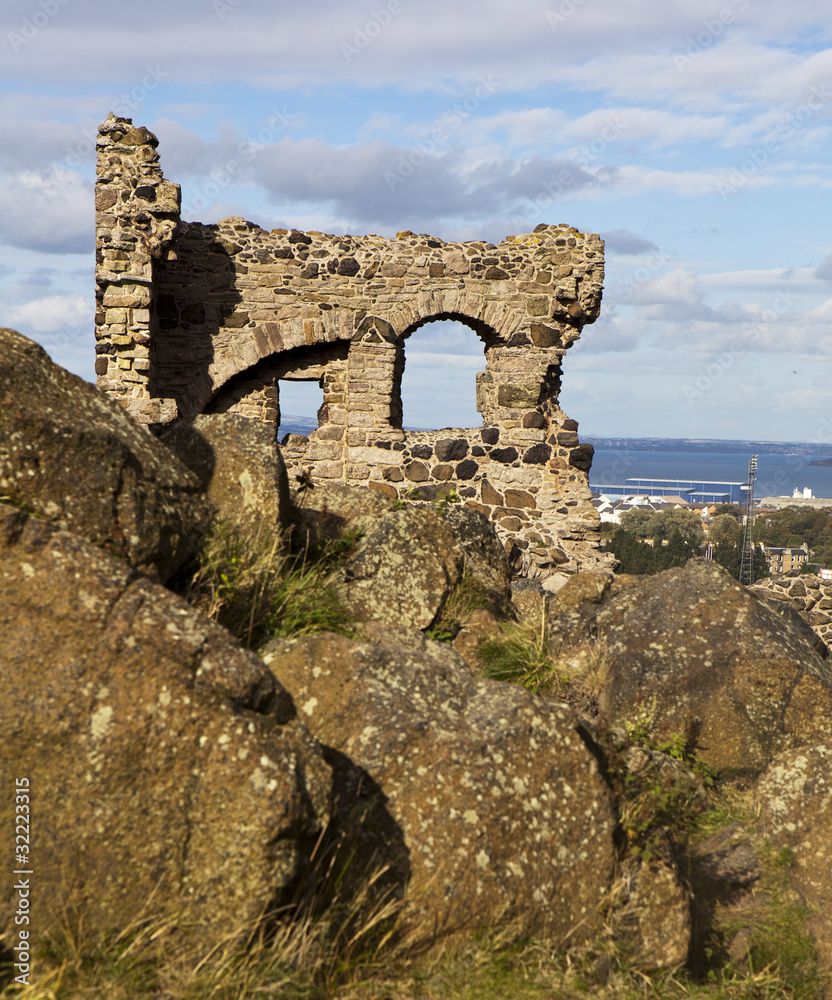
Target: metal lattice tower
747,564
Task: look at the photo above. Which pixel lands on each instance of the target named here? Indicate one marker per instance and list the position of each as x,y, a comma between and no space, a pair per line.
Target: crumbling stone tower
196,318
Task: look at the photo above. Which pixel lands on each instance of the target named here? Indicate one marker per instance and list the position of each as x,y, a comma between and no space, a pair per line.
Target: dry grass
521,654
253,585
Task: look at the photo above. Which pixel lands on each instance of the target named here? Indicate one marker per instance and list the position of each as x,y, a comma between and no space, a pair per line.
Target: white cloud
52,314
49,210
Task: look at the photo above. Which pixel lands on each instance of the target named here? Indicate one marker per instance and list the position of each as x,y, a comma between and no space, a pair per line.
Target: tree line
648,541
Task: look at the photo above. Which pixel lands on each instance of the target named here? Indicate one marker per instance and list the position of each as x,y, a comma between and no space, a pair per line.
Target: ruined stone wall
810,596
195,318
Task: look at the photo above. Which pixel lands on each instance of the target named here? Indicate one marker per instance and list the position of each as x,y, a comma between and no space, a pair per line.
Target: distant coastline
301,424
716,446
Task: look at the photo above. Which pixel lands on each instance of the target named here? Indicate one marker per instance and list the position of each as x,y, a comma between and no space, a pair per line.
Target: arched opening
300,400
442,356
286,388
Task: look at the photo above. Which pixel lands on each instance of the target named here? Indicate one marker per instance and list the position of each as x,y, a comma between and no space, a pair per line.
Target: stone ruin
194,318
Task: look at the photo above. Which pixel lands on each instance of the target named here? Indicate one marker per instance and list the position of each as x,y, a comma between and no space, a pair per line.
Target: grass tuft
250,583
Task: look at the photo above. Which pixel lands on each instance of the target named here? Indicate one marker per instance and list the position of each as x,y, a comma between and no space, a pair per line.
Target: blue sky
694,136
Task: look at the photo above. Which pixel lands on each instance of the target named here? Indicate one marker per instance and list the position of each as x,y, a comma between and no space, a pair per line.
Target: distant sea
777,475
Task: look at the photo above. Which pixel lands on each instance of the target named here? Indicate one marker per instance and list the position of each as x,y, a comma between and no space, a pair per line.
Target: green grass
466,597
521,654
351,949
253,585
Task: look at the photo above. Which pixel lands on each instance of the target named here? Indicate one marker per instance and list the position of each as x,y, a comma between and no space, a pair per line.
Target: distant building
804,494
694,491
611,508
782,560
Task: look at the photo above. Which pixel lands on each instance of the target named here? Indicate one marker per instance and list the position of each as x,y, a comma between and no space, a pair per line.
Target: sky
694,135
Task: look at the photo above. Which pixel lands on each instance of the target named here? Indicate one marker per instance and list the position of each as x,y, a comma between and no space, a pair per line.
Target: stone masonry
195,318
808,594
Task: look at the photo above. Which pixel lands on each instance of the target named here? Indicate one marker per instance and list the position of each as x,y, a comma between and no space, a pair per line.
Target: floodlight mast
747,563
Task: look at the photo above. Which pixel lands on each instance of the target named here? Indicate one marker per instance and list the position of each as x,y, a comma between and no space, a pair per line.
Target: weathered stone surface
326,512
485,557
71,455
795,800
691,647
239,465
163,759
501,806
654,928
402,570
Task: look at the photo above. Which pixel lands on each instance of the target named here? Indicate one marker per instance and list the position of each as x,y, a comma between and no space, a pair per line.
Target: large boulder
502,811
794,795
239,465
167,771
408,557
325,512
402,570
692,652
71,455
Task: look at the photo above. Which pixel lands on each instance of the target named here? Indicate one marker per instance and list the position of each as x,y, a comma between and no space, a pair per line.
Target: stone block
329,470
384,489
518,396
417,472
490,495
537,454
538,305
581,458
504,455
467,469
519,498
451,449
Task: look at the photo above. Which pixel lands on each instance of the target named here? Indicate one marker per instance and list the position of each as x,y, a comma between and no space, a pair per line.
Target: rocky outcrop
74,457
408,557
328,511
502,809
239,465
167,771
402,570
690,649
795,801
808,594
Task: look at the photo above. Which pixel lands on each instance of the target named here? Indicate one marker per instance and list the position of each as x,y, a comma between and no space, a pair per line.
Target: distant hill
292,423
730,447
822,461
